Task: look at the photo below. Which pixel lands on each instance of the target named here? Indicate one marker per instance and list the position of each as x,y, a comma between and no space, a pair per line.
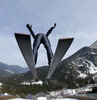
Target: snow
45,98
55,93
80,65
69,92
6,94
93,53
25,83
39,82
73,62
92,68
66,99
81,74
7,70
0,84
28,83
42,98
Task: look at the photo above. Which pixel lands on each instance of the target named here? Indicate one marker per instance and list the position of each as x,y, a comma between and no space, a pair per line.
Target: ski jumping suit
42,38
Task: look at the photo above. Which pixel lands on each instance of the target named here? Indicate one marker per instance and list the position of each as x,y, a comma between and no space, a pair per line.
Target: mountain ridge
94,45
6,69
78,69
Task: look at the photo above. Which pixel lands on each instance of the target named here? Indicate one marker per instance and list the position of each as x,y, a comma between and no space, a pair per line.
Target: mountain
84,61
77,70
81,65
6,69
3,73
94,45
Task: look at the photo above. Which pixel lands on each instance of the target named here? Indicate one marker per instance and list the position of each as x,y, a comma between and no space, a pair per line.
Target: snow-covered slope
84,67
94,45
82,63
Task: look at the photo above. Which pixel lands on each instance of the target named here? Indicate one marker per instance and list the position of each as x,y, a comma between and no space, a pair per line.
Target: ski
62,47
24,43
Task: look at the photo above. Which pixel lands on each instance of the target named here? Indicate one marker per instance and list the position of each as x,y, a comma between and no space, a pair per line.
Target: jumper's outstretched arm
50,30
29,28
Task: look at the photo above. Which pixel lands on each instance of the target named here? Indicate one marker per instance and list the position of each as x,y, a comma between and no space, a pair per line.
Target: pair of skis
24,43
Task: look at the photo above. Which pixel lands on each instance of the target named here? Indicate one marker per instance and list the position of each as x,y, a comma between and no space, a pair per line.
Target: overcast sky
74,18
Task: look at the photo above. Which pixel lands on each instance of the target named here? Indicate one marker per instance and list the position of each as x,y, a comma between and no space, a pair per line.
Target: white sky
74,18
